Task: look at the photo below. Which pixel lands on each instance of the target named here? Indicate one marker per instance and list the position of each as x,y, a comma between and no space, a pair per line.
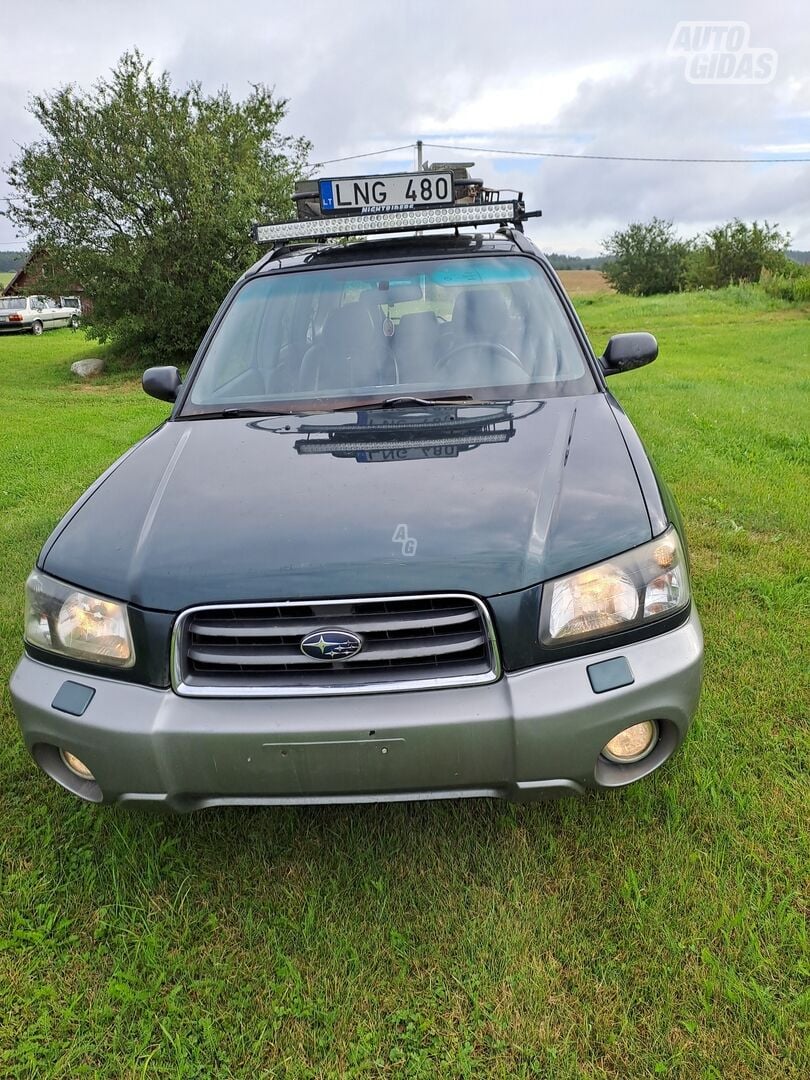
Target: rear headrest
349,328
421,325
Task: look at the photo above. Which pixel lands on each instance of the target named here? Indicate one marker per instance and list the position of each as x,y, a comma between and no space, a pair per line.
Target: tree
10,261
145,194
737,252
645,258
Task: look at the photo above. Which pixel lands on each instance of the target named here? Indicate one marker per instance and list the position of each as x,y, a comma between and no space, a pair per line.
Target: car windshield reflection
414,433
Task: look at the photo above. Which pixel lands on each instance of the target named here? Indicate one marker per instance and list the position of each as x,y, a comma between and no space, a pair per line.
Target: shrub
736,252
793,285
645,258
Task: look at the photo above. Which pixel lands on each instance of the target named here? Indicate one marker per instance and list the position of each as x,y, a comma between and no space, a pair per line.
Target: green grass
5,278
658,931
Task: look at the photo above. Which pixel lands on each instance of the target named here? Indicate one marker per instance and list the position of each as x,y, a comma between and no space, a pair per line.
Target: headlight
65,620
628,591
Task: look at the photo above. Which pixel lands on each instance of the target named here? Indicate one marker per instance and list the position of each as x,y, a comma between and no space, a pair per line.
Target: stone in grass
85,369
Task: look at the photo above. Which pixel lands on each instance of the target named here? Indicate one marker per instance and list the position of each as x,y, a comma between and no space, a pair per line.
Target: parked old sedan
37,313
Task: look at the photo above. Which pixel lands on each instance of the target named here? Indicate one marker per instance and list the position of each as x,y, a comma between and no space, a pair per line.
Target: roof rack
440,196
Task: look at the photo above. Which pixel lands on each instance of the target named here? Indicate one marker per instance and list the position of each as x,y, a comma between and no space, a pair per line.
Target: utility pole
419,154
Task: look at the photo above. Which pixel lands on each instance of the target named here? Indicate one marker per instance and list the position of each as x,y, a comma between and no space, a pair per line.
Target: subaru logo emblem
331,645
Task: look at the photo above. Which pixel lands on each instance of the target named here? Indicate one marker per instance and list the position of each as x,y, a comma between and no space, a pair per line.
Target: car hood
484,499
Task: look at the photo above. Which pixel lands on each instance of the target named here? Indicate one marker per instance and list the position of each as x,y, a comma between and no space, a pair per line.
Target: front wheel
74,323
36,328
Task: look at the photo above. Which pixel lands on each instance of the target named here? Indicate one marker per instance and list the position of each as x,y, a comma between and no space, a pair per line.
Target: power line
356,157
619,157
551,154
328,161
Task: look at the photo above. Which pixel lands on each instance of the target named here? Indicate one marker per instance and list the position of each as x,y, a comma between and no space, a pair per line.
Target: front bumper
533,734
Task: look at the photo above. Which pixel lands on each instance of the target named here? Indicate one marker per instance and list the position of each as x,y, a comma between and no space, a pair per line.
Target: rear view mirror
627,351
162,382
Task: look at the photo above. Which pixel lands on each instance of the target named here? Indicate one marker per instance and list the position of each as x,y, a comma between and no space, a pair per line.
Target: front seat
481,317
350,353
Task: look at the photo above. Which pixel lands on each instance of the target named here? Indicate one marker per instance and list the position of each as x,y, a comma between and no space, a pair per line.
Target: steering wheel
496,346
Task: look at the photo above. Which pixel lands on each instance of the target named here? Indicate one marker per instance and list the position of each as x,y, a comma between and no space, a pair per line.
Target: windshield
12,303
484,326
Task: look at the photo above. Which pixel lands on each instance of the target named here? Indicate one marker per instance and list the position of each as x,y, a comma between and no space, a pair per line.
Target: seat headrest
479,310
420,324
349,328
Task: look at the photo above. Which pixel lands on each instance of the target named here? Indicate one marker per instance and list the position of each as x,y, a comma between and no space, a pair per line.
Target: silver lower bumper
533,734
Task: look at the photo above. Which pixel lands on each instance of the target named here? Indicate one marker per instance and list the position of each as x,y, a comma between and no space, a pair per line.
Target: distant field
582,282
5,278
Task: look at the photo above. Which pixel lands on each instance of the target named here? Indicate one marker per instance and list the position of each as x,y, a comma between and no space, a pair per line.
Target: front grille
407,642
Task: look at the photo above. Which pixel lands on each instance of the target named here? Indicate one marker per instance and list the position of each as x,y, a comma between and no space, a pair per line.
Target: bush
645,258
793,285
736,252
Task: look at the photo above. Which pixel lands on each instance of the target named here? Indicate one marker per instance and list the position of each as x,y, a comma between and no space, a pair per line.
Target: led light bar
387,221
338,446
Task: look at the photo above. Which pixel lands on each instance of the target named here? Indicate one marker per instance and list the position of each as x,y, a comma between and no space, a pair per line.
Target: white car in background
38,313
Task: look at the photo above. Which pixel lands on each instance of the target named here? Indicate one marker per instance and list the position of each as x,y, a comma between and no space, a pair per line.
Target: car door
54,315
62,313
37,312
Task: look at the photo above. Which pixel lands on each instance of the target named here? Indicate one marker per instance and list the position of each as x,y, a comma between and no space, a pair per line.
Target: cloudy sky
521,75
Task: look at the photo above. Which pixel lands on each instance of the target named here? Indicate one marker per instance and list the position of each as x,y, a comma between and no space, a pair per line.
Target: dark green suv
396,540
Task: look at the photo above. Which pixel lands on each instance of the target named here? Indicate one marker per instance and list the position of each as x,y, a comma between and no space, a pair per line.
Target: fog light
632,744
76,765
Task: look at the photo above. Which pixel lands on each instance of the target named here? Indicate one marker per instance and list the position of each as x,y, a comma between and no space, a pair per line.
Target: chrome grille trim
459,632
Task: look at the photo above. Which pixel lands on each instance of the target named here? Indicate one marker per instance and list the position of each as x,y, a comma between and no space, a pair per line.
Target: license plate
412,454
397,191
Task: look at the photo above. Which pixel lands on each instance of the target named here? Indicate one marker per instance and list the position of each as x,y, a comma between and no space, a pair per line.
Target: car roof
393,248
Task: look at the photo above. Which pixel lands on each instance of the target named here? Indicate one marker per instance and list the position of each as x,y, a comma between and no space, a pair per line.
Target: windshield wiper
401,401
227,414
405,400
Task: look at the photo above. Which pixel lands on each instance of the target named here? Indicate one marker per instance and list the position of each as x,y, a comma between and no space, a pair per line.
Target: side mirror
627,351
162,382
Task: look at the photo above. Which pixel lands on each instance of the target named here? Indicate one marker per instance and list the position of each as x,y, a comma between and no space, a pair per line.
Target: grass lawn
656,931
5,278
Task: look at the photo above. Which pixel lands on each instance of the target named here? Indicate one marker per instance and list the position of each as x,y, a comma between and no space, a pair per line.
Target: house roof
9,289
19,276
